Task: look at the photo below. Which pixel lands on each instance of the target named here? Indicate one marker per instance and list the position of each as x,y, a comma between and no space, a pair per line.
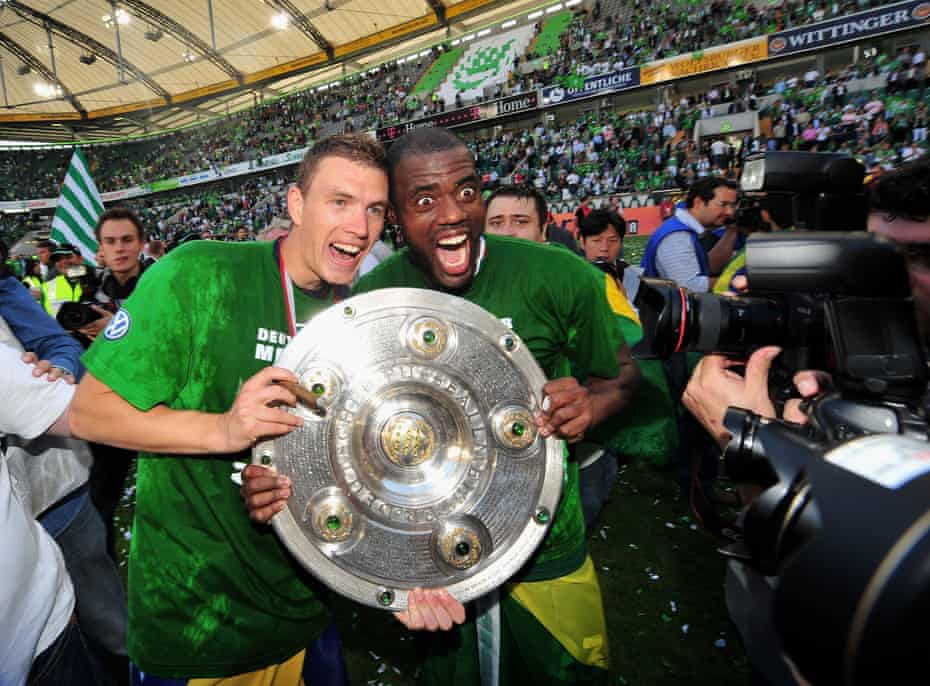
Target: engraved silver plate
422,465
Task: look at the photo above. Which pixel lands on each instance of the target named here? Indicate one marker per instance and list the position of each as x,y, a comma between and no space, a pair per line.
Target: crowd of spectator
600,38
610,152
632,32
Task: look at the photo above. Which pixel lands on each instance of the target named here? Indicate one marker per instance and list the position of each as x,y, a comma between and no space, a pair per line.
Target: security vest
33,282
57,292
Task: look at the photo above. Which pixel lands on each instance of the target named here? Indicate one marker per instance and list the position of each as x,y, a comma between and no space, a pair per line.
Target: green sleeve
144,353
580,298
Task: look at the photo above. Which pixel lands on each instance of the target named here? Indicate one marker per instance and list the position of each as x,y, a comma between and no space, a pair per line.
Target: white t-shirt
36,596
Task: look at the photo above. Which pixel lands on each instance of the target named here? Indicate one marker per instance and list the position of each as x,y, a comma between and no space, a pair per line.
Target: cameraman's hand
93,329
809,383
713,388
45,368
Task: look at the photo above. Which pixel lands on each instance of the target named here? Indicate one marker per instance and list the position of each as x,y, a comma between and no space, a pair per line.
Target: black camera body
836,302
74,316
615,268
843,520
846,527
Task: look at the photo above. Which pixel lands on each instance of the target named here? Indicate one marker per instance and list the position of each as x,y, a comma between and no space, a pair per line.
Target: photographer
62,288
646,429
899,209
675,251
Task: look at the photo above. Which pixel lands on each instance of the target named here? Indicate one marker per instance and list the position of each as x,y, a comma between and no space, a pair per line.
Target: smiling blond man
183,374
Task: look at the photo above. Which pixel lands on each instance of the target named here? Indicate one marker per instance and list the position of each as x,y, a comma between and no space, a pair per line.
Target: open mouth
344,253
453,253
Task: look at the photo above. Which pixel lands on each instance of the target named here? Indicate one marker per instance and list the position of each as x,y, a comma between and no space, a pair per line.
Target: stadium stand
438,71
485,65
566,46
549,39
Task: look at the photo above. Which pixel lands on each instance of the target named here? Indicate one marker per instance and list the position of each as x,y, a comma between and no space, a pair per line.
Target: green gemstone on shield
518,429
429,336
333,523
318,389
462,548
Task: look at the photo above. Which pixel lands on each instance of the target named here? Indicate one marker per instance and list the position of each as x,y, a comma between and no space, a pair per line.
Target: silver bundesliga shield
422,465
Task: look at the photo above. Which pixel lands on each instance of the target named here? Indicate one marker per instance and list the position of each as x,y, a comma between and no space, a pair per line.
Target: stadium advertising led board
514,104
722,57
593,85
465,115
897,17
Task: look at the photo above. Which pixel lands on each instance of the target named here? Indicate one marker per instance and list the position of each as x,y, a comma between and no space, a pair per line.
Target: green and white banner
79,207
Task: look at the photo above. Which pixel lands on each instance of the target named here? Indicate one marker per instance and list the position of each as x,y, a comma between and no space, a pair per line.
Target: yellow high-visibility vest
57,292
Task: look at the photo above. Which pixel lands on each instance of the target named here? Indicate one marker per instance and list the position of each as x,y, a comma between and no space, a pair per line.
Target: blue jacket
37,331
671,225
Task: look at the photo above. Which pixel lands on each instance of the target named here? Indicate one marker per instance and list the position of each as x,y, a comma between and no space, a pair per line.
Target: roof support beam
302,22
150,14
33,62
144,124
82,40
6,100
439,10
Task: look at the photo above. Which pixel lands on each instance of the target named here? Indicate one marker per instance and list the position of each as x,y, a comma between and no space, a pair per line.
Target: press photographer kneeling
830,581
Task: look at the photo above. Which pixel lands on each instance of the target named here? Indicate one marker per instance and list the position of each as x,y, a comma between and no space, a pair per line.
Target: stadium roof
83,69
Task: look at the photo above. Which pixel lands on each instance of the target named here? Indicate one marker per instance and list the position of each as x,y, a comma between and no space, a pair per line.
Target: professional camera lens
725,324
73,316
679,320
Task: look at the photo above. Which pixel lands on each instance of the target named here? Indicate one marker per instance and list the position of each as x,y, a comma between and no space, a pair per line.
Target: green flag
79,207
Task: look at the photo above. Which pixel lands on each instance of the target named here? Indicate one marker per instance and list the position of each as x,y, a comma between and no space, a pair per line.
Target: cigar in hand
306,397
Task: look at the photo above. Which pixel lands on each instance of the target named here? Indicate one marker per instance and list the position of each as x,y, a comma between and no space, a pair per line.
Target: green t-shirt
547,295
210,593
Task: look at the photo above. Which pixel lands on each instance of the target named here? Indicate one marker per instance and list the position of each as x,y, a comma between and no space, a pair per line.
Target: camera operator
601,236
62,287
675,251
899,208
646,429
